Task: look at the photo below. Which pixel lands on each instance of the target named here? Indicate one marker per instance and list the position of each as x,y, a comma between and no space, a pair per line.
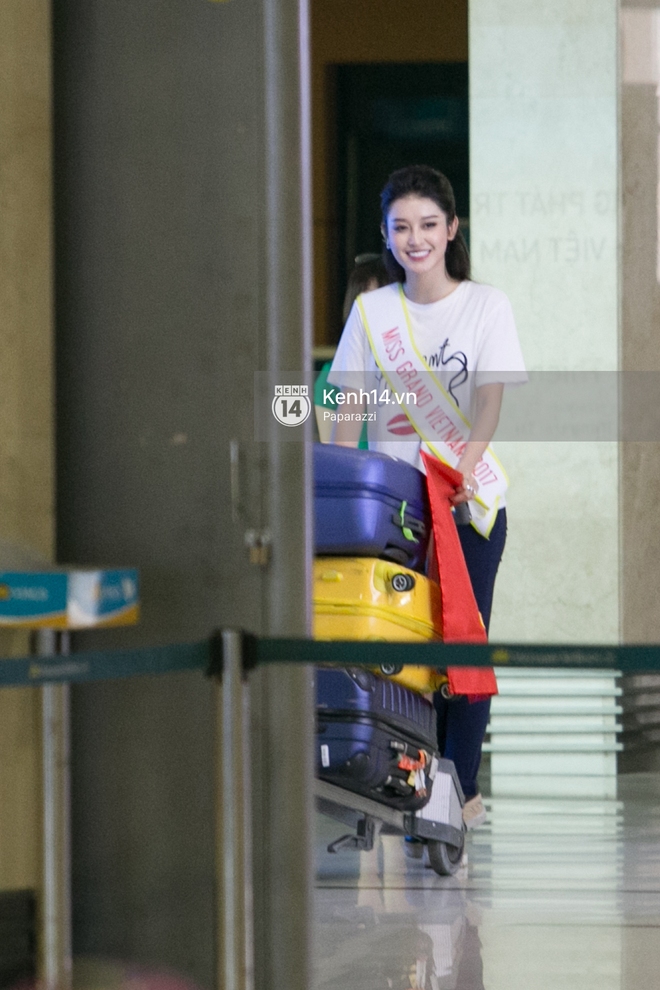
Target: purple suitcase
369,505
365,724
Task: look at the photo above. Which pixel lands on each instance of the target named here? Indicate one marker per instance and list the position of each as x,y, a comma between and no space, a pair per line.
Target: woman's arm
346,433
489,403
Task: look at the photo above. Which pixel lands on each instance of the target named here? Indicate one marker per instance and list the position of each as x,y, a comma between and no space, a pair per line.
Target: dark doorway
391,115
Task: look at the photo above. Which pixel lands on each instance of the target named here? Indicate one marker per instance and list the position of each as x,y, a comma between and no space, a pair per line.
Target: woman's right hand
467,490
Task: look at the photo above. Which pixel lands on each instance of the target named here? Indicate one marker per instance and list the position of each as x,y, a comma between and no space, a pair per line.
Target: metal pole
235,967
282,702
56,770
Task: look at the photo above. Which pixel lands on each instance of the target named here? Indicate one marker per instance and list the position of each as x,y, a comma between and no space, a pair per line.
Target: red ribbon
461,621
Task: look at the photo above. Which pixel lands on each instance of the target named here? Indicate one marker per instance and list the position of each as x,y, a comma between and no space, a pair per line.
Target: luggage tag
420,783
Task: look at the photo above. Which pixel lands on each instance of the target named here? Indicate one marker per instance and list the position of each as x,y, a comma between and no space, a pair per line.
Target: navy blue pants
461,724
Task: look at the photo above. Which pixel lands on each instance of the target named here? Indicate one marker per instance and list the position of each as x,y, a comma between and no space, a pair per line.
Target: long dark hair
427,183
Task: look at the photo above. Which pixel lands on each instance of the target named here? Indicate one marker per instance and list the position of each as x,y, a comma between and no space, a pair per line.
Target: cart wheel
403,582
390,669
445,860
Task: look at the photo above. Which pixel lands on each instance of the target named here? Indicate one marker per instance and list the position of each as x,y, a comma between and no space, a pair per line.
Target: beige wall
19,790
640,287
26,459
354,31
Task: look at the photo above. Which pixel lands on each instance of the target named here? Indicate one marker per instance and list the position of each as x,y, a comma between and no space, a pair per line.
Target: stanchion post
233,855
56,950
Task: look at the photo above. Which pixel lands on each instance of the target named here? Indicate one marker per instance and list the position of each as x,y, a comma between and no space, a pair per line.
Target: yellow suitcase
365,598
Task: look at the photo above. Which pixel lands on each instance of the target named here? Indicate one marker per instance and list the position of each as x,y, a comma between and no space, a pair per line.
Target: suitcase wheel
390,669
363,678
403,582
445,860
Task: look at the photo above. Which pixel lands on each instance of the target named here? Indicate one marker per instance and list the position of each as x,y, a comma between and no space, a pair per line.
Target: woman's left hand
467,490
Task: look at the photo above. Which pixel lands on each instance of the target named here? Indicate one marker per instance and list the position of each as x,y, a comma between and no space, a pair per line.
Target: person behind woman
463,332
369,273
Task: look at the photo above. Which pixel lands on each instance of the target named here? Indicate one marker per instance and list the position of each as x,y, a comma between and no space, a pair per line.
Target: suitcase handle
409,526
462,514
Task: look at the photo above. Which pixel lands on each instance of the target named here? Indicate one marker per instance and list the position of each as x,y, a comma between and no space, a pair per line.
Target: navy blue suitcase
366,726
367,504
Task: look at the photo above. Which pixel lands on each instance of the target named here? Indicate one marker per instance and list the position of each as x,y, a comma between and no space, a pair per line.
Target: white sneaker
474,813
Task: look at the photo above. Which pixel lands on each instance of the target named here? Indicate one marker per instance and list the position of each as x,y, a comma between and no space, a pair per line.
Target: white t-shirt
468,339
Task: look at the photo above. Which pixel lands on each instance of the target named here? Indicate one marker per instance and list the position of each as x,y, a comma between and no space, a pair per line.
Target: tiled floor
557,895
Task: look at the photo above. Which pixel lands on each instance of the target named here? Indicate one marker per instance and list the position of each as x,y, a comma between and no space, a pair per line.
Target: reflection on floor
557,895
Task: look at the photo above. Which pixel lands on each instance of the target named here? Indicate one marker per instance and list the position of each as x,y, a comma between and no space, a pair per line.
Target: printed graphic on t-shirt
455,364
400,425
441,359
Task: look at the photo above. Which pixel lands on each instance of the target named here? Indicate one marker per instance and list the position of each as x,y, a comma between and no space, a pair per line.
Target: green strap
407,532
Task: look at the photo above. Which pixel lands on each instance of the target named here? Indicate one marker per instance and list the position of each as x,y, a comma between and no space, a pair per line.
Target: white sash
441,425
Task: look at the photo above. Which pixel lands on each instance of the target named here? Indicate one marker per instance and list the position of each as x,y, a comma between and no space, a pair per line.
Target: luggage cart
439,823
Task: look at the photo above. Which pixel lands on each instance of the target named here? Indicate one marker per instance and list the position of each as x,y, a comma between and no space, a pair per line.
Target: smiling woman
422,236
457,340
419,234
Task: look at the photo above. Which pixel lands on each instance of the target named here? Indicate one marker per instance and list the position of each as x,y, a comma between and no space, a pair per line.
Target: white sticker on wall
325,756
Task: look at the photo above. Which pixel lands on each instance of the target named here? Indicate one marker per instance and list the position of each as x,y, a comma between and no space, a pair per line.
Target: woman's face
417,233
